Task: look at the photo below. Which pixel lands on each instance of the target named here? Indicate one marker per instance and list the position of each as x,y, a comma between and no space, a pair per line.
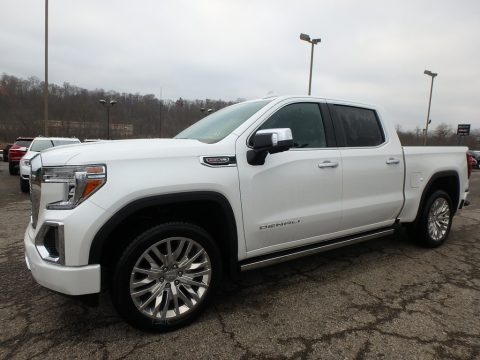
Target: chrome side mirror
269,141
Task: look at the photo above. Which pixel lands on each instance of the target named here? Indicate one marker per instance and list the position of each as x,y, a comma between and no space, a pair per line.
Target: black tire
24,185
12,169
123,275
421,231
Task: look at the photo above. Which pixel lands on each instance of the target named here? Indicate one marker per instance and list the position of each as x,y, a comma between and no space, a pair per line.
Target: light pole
314,42
45,84
108,105
432,74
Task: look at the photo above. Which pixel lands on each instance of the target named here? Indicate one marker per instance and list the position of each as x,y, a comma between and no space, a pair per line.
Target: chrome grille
35,186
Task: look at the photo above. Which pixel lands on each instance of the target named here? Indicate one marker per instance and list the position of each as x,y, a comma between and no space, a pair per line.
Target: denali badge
279,224
218,161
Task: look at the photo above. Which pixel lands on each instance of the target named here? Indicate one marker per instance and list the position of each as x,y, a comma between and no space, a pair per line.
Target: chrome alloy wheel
170,278
438,219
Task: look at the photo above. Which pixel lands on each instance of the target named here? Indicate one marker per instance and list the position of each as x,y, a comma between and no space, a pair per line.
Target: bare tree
75,111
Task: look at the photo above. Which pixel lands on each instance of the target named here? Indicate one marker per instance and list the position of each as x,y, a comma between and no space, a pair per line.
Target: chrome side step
283,256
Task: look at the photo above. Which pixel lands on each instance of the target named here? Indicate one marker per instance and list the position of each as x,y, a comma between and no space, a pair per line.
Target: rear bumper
463,200
70,280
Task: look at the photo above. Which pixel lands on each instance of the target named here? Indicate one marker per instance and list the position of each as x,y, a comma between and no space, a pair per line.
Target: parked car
39,144
474,162
476,155
16,152
160,221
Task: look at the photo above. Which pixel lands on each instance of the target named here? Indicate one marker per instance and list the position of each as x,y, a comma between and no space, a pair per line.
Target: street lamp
45,83
314,42
108,105
432,74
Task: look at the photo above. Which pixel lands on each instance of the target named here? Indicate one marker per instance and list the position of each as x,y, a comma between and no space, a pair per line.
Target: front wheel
165,277
436,220
12,169
24,185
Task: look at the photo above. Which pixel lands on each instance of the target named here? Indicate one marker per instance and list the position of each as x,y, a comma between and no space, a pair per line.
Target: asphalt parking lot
387,299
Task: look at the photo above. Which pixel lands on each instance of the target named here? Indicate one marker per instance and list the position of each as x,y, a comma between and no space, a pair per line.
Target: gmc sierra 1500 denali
251,185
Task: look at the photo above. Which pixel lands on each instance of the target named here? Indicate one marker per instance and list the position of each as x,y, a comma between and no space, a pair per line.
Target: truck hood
106,151
30,154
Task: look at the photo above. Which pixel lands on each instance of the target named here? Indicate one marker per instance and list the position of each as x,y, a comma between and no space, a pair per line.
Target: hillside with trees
74,111
441,135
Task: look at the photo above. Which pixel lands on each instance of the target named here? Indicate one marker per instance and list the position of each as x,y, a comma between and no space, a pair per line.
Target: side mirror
269,141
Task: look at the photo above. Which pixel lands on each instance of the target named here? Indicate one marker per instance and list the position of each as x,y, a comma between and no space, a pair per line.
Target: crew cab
251,185
16,152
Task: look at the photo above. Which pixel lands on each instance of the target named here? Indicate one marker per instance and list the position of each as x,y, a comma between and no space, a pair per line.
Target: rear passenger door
372,168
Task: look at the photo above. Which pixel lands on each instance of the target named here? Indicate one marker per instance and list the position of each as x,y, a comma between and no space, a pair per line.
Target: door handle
392,161
328,164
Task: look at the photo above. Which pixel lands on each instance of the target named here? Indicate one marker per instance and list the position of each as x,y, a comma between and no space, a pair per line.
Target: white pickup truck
159,221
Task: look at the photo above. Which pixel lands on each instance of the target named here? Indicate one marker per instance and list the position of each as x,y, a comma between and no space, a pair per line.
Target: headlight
80,183
25,162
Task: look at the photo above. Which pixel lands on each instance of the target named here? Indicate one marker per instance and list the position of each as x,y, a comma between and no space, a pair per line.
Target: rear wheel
166,276
436,220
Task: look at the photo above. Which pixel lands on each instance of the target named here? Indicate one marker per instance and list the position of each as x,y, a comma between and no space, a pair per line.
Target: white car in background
39,144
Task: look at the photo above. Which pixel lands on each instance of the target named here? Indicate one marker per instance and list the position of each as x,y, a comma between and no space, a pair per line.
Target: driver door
295,197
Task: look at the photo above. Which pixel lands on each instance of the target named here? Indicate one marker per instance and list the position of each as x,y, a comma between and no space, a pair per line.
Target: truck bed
421,162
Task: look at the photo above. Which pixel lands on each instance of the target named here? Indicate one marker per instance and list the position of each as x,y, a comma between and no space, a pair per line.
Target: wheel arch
203,208
449,181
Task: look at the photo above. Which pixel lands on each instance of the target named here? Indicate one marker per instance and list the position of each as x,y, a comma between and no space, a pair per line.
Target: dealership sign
463,129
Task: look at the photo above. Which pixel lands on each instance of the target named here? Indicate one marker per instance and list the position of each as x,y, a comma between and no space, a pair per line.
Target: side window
361,126
305,121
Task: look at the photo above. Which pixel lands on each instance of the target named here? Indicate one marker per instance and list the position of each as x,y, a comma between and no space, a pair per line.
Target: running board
276,258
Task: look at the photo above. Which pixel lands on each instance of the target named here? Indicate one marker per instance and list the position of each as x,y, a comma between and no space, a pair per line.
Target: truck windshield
43,144
218,125
39,145
65,142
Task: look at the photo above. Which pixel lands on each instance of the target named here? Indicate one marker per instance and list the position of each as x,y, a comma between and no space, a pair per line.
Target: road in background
387,298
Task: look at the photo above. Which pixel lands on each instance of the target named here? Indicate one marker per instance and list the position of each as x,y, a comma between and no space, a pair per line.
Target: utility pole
160,117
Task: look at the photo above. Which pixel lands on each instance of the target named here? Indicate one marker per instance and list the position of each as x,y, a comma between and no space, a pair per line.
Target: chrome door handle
328,164
392,161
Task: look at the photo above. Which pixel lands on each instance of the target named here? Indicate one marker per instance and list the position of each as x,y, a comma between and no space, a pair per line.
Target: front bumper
25,172
70,280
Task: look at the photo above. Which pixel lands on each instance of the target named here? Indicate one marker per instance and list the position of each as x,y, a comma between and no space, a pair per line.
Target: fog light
50,242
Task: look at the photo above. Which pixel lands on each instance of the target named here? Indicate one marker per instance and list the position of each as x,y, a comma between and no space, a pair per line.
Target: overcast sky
371,51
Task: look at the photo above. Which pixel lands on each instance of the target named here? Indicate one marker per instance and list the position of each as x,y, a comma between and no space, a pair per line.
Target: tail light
16,154
469,164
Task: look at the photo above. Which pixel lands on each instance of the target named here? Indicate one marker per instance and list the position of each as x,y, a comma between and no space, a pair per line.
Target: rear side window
361,127
305,121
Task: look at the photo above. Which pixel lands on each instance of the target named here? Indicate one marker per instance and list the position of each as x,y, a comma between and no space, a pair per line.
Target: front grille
35,187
